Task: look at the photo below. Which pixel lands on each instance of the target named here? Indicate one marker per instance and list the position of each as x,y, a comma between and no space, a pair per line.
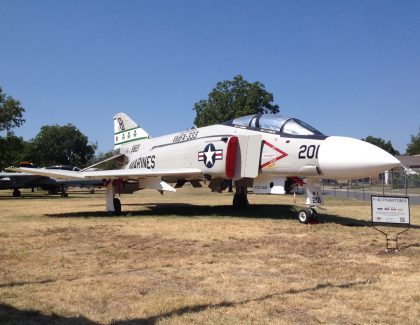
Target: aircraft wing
54,173
141,173
8,175
111,174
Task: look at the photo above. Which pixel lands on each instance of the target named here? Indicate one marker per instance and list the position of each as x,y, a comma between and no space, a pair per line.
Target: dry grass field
189,257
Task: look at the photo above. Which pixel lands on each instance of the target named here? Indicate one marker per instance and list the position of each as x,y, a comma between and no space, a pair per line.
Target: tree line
67,145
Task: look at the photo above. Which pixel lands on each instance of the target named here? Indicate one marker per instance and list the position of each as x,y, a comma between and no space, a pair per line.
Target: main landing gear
307,215
117,206
240,199
113,205
16,193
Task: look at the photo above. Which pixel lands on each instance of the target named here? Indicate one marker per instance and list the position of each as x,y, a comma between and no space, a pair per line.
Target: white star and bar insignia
210,155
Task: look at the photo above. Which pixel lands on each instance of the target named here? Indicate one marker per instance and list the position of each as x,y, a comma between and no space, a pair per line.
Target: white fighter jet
262,152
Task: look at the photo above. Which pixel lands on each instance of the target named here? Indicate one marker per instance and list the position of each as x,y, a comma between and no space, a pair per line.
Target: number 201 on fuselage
308,152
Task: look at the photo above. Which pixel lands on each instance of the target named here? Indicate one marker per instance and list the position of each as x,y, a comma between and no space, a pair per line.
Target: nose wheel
307,215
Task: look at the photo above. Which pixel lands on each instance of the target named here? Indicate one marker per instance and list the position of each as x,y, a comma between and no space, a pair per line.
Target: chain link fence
396,183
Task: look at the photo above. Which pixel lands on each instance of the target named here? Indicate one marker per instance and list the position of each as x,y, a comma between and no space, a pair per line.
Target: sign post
390,211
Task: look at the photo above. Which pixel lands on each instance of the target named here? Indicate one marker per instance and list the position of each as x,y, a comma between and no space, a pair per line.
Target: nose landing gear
307,215
313,199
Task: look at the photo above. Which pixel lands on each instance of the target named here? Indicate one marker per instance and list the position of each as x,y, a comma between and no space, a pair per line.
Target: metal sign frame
406,226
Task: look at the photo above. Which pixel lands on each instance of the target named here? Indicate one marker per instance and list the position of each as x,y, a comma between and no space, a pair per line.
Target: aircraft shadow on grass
12,315
263,211
190,210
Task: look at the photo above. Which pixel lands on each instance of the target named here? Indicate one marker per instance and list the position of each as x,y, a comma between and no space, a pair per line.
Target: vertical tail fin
126,131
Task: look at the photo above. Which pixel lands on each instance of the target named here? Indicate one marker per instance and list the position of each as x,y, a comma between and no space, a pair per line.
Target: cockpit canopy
277,123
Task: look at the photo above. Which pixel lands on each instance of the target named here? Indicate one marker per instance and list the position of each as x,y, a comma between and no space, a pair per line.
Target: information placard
390,209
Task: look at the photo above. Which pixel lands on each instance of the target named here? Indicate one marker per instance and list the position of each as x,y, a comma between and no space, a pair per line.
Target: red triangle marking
282,154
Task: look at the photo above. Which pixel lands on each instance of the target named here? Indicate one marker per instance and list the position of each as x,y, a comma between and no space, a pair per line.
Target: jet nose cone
348,158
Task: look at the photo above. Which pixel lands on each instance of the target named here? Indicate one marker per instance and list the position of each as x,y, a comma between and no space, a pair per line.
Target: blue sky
349,68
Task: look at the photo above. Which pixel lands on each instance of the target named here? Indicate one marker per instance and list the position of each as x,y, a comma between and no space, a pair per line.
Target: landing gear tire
240,201
117,206
64,194
236,202
306,215
16,193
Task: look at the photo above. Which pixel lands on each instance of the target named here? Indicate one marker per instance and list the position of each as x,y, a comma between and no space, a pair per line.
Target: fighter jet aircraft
17,181
261,152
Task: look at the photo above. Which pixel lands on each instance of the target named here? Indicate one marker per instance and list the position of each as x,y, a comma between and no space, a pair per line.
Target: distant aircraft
259,151
17,181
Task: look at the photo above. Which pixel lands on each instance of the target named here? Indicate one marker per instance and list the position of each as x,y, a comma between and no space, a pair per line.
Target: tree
381,143
11,112
11,116
57,144
13,149
413,148
234,98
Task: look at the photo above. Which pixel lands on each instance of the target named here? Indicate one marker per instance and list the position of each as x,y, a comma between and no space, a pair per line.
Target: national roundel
210,155
209,152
